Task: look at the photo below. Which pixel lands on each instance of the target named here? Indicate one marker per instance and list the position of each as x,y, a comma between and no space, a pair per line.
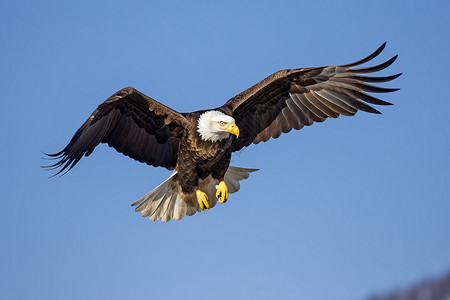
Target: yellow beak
232,128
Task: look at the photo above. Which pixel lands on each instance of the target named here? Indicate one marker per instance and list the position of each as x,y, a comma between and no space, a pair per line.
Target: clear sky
338,211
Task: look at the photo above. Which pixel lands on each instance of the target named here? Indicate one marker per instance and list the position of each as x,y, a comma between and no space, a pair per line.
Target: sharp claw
202,200
222,192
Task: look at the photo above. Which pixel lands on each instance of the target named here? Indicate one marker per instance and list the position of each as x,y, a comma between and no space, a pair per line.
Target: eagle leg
222,192
202,199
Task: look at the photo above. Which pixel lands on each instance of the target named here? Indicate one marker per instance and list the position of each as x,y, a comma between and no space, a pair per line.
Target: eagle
198,145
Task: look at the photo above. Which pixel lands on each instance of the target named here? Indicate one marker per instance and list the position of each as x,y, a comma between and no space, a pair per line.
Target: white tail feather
165,203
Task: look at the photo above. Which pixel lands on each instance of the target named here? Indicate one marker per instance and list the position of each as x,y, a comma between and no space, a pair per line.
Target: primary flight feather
199,145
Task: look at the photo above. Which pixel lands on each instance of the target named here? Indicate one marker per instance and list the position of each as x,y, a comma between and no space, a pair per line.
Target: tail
165,203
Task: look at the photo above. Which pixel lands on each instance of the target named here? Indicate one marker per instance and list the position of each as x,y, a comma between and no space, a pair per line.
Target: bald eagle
198,145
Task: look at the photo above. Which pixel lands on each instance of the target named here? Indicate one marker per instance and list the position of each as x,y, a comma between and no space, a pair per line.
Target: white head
215,126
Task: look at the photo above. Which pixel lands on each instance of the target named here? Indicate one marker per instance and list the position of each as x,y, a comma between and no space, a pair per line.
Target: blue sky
339,210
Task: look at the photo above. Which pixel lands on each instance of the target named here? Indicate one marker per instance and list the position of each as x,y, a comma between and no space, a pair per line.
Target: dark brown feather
132,123
295,98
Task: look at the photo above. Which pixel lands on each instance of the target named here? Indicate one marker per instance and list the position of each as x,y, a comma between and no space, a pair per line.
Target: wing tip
368,58
395,76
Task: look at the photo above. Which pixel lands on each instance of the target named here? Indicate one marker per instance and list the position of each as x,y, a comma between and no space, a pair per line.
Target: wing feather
335,104
293,98
295,111
316,114
311,98
132,123
374,68
303,113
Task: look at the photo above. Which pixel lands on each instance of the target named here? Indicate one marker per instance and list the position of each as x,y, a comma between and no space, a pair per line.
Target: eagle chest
204,153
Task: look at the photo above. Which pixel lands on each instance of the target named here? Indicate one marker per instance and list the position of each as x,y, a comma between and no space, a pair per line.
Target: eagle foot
202,199
222,192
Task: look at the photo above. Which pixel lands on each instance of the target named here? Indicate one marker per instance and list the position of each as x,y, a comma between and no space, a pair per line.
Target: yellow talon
222,192
202,199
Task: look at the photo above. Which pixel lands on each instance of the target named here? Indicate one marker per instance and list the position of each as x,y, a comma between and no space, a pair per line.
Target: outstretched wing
132,123
295,98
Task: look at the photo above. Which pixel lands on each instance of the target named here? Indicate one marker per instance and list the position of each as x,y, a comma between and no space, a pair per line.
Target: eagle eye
222,123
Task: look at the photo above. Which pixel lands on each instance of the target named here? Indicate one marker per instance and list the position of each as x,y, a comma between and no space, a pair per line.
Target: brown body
197,159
